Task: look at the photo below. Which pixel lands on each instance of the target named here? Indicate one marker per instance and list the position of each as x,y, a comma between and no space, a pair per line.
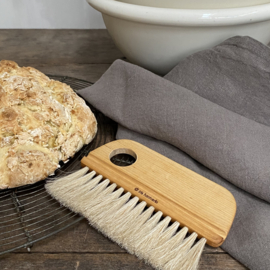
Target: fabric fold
234,74
233,146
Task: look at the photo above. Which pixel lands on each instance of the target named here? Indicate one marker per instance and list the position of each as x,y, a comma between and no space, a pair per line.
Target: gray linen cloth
217,125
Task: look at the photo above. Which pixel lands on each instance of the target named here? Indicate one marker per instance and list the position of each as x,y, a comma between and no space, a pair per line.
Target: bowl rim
183,17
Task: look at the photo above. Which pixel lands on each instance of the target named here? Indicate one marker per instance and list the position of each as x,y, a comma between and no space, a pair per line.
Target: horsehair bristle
128,222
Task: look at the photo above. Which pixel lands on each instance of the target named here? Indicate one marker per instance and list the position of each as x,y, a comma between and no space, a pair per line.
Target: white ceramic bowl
195,4
156,38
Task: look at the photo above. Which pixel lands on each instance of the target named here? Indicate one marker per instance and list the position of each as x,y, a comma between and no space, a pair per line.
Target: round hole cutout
123,157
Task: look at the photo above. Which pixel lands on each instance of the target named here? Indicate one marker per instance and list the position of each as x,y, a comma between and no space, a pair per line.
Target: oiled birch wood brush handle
187,197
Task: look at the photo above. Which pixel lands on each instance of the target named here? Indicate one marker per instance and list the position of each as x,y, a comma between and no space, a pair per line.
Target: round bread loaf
42,122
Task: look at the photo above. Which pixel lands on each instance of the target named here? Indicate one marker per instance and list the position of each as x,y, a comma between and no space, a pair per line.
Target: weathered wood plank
82,238
88,72
31,46
77,261
219,262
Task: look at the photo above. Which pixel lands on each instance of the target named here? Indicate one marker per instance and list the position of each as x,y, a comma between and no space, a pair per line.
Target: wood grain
88,72
99,261
57,47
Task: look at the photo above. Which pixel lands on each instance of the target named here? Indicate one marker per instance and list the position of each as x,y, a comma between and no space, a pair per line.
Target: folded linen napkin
231,140
235,147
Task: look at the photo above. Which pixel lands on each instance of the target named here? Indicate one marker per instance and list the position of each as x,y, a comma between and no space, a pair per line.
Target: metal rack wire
28,214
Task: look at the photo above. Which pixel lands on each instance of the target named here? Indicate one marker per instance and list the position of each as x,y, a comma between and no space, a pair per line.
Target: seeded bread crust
42,122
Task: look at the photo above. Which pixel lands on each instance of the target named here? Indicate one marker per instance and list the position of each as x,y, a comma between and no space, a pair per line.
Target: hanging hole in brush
123,157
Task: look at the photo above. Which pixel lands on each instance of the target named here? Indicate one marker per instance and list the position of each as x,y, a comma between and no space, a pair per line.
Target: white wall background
49,14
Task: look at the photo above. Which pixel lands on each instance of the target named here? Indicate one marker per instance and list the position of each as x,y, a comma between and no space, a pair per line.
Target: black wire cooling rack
28,214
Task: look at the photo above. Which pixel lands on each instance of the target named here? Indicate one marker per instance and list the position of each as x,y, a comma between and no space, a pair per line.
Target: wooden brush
154,208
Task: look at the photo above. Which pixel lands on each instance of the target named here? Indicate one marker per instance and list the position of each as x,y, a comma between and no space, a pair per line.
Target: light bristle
179,253
131,224
89,197
159,256
134,230
75,181
151,238
106,209
120,231
114,222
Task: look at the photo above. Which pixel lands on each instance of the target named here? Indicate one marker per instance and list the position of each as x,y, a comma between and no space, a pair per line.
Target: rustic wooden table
83,54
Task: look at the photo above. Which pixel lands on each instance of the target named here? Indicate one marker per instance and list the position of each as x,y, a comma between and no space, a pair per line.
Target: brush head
140,229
